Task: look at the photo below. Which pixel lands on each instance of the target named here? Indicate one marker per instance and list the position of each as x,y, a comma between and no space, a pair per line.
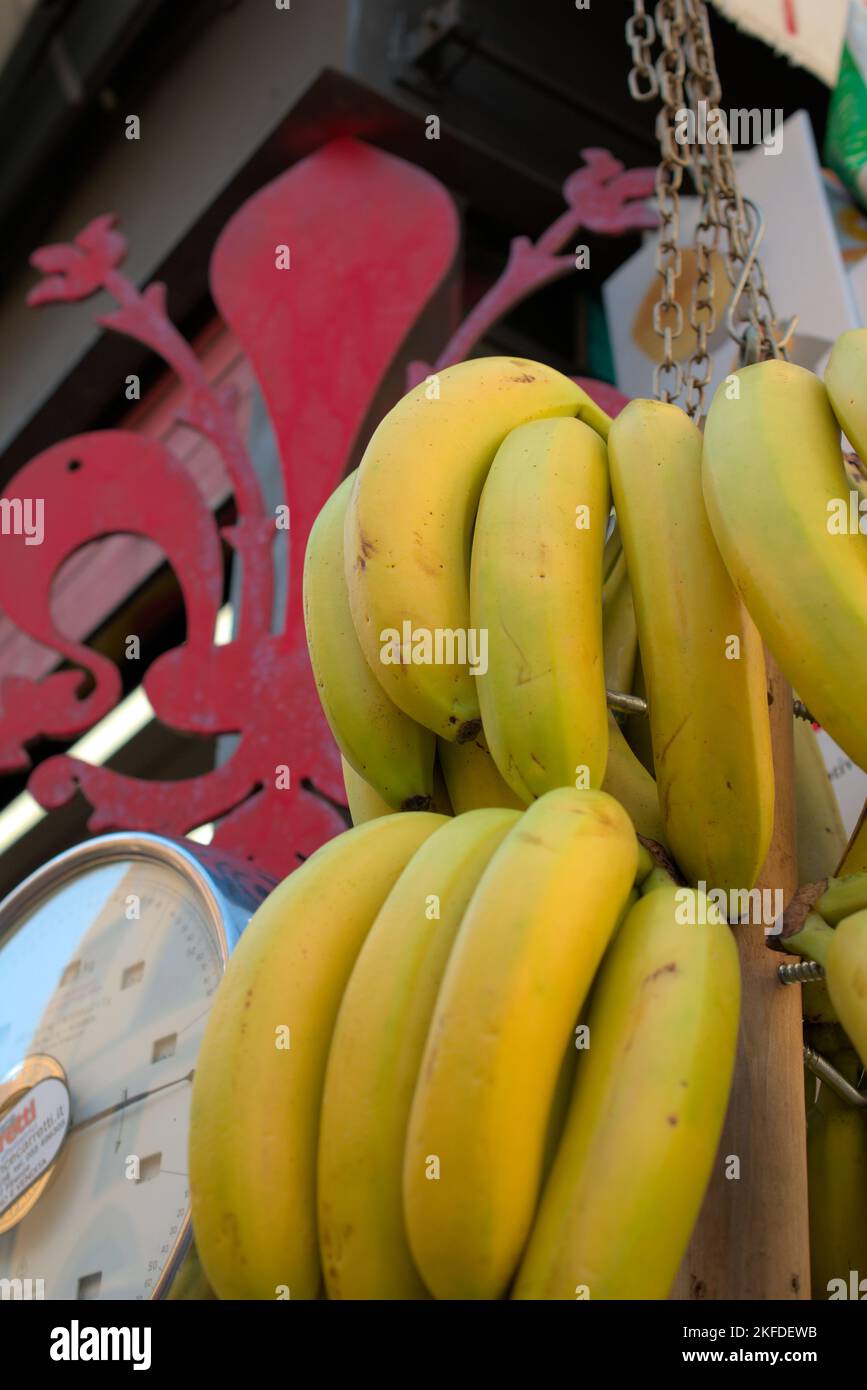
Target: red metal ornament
369,239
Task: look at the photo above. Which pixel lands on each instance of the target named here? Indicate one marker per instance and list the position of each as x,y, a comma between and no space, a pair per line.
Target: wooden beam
752,1236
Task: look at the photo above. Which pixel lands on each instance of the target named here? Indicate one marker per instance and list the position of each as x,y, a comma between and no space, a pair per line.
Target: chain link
685,74
641,35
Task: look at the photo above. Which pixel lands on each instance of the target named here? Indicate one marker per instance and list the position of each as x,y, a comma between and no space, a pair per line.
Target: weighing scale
110,956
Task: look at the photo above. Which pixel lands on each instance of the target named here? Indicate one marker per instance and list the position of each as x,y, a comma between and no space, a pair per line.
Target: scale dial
109,960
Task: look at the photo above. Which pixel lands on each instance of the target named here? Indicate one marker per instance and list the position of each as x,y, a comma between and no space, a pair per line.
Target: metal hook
750,338
741,337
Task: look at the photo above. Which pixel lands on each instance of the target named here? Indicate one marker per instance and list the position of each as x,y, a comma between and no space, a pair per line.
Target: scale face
110,956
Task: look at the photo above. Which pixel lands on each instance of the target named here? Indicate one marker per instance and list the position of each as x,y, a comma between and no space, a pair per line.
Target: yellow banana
701,654
619,630
836,1184
845,377
364,803
375,1057
259,1076
821,833
773,479
536,590
472,777
629,782
846,975
392,753
647,1111
522,963
409,523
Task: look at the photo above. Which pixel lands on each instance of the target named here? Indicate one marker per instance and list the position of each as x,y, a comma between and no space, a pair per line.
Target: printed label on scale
31,1135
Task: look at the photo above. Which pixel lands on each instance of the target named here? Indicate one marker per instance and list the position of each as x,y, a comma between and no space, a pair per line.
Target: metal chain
685,73
670,22
717,173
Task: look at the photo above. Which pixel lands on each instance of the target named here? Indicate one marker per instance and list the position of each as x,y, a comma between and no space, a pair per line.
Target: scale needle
126,1101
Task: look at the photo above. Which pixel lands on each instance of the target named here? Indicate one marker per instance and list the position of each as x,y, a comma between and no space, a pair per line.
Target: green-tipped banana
536,590
846,384
701,654
846,976
410,520
392,753
811,942
650,1097
836,1168
777,497
842,897
375,1057
821,833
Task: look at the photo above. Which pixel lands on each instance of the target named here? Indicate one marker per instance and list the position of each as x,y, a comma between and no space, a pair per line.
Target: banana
257,1089
392,753
375,1057
841,897
364,803
837,1190
647,1110
811,942
855,858
772,475
701,654
522,963
845,376
619,630
846,976
536,589
821,833
629,782
410,519
472,777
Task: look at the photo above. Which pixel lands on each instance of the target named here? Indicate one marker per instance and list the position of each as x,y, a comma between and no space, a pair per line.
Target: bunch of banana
383,1086
523,961
536,590
701,656
259,1077
774,483
375,1057
410,521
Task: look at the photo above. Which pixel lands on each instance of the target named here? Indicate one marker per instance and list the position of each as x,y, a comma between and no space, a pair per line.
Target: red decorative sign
321,275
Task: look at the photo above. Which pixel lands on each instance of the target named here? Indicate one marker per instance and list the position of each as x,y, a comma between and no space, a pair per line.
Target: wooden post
752,1236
